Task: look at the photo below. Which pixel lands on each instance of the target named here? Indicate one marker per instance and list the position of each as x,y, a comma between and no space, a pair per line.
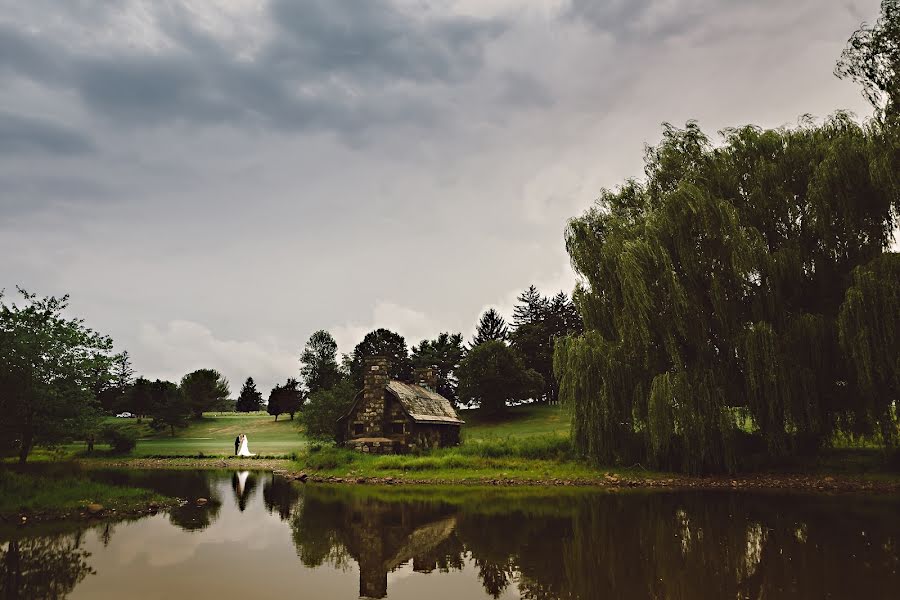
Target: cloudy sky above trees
213,181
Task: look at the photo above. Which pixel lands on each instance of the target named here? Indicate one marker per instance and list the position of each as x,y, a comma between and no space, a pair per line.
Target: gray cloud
212,182
23,135
340,65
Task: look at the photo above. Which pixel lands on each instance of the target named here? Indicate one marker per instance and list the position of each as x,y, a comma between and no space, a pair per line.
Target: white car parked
125,415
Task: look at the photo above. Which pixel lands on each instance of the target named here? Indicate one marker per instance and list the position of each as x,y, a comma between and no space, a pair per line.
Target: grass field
214,436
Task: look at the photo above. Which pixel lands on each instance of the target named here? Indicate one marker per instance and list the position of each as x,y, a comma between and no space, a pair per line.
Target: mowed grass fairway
214,434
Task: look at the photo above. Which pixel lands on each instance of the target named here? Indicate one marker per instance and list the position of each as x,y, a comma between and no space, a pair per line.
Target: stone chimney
375,377
427,377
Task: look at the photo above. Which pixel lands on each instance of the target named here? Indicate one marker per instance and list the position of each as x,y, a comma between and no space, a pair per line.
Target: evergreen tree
250,400
382,342
319,368
491,326
532,307
443,354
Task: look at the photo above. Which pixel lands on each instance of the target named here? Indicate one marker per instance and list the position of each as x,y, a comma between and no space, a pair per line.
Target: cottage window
358,428
398,428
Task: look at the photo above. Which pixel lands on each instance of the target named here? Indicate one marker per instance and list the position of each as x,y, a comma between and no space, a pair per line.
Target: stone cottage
392,416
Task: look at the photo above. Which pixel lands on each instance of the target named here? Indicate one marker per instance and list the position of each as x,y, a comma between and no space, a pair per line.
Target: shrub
122,440
330,458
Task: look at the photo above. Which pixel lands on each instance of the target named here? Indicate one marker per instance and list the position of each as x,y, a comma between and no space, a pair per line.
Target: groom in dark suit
237,444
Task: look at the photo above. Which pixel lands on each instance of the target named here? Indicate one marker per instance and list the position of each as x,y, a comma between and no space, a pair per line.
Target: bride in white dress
244,450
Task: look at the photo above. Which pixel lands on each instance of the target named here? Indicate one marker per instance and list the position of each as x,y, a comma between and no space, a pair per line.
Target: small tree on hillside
491,326
272,406
292,397
204,389
493,375
250,399
287,398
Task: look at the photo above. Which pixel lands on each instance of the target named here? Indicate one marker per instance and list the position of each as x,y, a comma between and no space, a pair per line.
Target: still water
262,537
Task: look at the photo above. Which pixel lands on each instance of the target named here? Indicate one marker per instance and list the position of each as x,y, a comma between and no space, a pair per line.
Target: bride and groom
240,446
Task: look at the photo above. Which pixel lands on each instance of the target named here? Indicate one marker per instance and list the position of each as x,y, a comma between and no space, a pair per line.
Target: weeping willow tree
869,330
711,294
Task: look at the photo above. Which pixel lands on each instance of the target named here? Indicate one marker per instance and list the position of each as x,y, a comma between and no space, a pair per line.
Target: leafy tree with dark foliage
204,389
490,327
287,398
250,400
321,413
168,407
48,369
443,354
382,342
319,367
493,375
139,399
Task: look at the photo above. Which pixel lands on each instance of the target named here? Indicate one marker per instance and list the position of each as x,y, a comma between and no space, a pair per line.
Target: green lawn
519,421
214,436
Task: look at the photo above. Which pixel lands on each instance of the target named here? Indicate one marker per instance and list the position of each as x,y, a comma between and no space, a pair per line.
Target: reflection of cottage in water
394,416
382,537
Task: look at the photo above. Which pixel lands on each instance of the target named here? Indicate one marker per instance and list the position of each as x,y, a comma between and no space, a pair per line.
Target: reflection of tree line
614,546
573,547
47,567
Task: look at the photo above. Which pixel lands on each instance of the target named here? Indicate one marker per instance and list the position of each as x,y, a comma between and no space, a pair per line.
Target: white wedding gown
244,450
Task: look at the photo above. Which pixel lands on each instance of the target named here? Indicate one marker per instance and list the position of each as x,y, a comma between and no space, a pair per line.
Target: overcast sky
213,181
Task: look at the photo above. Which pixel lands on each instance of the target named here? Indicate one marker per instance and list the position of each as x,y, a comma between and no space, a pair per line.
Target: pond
260,536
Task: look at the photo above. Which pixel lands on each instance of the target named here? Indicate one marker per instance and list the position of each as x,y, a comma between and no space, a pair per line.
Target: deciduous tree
204,389
382,342
493,375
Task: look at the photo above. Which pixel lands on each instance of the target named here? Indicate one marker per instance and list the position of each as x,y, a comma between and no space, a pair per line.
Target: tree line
58,377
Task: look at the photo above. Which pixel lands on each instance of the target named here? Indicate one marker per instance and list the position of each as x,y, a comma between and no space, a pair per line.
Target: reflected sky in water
263,537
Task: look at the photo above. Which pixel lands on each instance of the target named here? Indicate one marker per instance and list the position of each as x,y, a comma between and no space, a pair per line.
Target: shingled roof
422,404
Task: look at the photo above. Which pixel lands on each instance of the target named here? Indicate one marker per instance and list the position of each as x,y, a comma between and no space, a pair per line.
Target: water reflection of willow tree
589,545
47,567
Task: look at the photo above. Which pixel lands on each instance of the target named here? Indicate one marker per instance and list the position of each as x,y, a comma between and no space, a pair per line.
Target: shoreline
758,482
823,482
